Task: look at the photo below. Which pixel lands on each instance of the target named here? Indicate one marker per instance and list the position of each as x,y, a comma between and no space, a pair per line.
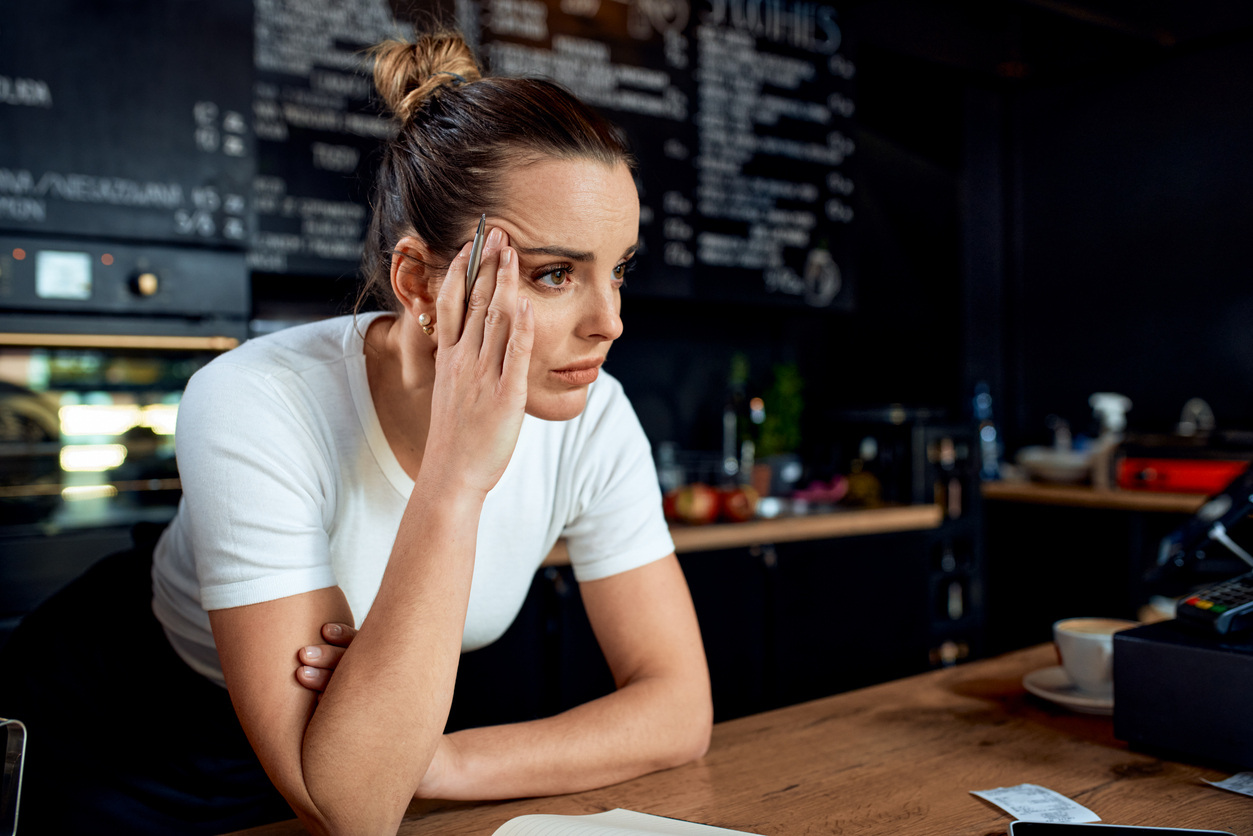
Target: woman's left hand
318,661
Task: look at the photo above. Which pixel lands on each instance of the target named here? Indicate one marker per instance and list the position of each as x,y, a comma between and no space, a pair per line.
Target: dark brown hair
459,134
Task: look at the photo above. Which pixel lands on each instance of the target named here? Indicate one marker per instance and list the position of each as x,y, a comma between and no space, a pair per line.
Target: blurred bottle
730,455
947,491
734,426
670,473
864,487
1110,409
989,439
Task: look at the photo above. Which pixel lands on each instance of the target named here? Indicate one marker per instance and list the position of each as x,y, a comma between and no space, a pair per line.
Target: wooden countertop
1083,496
845,523
897,759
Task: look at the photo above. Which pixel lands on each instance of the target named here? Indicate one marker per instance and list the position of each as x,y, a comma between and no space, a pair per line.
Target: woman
418,464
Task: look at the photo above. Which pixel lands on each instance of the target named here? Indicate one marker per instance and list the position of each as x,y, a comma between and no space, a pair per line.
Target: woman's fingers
463,317
338,633
486,324
502,310
483,292
450,304
320,656
315,679
318,661
517,360
473,396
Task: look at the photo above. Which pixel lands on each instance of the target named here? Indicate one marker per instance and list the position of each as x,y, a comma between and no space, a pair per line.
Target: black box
1183,691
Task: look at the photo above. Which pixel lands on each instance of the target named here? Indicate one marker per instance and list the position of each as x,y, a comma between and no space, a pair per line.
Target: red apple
738,504
693,504
667,504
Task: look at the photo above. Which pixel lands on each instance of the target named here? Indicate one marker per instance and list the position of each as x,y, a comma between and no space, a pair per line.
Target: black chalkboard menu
740,113
251,124
127,120
318,130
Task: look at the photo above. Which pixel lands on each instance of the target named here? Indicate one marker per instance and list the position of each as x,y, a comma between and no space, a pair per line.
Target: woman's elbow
702,731
348,811
694,749
359,823
692,740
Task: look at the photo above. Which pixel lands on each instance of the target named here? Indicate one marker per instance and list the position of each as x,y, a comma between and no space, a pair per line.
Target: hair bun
407,74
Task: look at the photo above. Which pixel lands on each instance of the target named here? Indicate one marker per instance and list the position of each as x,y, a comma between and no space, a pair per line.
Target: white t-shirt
290,486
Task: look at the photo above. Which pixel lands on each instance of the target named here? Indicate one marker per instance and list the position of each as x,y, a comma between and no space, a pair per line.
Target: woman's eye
625,267
554,278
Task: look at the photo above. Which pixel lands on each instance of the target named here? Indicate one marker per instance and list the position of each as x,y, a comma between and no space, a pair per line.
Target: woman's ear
410,275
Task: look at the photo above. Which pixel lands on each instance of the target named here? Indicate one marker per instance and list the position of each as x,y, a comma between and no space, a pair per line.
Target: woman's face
575,226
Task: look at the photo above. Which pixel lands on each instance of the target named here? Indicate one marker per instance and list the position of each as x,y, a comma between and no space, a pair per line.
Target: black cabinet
1048,562
731,593
547,661
781,624
848,613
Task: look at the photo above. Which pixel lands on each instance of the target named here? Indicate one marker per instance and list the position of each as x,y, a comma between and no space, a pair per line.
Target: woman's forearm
660,715
647,725
374,732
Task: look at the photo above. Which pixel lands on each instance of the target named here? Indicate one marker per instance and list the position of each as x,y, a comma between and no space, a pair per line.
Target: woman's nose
601,315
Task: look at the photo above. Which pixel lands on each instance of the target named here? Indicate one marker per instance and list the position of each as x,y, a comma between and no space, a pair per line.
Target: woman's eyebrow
557,252
568,254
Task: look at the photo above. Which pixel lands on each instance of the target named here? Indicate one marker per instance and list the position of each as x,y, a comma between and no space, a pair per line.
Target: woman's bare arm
659,717
351,761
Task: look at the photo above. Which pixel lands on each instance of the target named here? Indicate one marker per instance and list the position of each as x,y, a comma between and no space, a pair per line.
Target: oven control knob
145,284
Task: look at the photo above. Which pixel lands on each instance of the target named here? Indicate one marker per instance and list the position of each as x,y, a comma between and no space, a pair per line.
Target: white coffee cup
1086,647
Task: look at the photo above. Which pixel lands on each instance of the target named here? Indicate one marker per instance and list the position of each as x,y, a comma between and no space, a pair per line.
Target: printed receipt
1031,802
1241,782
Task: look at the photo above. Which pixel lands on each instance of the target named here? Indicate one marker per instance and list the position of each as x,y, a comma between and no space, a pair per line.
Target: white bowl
1049,464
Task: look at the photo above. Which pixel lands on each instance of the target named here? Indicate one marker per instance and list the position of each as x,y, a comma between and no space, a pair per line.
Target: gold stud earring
428,325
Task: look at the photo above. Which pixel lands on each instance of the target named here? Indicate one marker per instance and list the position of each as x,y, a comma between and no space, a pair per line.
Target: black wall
1135,252
1104,199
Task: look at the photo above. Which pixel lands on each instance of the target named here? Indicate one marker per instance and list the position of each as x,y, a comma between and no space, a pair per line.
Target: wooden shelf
1083,496
851,523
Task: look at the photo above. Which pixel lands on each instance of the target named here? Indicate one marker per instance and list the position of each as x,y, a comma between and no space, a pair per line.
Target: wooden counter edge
965,724
852,523
1082,496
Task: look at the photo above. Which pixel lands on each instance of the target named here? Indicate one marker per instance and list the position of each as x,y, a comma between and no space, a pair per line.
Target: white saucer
1054,685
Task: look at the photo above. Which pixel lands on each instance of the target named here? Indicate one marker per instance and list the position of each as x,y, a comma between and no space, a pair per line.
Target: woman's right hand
481,364
318,661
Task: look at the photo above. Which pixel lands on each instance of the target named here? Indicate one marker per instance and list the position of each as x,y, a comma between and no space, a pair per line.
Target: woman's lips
580,375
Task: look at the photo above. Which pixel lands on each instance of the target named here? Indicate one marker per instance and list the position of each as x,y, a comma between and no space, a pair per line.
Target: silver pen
476,255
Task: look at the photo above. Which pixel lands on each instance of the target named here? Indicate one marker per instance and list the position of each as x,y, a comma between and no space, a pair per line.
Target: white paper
610,823
1031,802
1241,782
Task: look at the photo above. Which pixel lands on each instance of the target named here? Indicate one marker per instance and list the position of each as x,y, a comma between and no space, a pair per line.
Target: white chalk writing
26,92
584,67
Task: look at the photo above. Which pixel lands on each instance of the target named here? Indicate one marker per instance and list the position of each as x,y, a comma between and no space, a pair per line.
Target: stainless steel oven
97,341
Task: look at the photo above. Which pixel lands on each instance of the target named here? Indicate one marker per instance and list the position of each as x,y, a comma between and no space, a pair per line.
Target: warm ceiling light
75,493
98,419
91,458
160,418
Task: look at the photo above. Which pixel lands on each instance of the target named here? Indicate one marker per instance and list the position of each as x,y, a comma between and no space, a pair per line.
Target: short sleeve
617,523
257,487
